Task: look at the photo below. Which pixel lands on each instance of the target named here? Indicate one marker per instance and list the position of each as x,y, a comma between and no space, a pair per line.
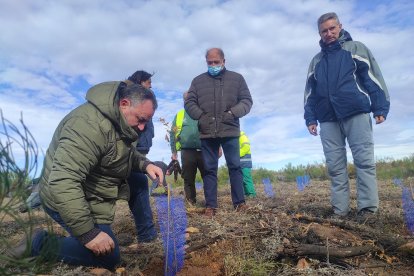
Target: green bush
388,168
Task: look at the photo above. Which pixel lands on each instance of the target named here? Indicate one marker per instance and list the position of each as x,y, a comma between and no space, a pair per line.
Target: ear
124,103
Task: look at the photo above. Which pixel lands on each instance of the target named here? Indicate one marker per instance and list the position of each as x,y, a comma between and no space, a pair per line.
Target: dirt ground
290,234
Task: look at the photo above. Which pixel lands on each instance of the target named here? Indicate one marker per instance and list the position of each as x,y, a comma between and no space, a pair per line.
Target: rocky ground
290,234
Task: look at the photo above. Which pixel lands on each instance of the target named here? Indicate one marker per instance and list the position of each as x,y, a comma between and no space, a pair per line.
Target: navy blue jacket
344,80
145,138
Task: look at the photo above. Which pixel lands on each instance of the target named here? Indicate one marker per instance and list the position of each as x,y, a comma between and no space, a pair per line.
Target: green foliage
387,168
260,173
180,180
242,265
14,177
223,176
198,177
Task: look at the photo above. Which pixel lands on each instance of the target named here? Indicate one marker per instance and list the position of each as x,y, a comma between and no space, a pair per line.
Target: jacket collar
337,44
104,97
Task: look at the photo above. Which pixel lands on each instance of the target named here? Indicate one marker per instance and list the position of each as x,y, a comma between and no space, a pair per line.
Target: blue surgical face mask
214,70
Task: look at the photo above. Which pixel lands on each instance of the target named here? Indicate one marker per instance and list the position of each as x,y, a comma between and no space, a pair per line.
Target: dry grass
251,243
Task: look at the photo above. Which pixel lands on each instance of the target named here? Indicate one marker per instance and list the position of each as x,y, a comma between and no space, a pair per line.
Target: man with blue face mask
217,99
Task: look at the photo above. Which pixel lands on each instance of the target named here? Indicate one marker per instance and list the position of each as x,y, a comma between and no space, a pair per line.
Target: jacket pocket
230,120
204,124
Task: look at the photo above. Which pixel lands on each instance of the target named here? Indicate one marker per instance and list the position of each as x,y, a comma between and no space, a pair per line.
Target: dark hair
136,94
326,17
219,50
140,76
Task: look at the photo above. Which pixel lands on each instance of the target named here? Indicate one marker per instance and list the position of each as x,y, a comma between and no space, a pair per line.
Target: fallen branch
387,241
203,244
340,223
319,250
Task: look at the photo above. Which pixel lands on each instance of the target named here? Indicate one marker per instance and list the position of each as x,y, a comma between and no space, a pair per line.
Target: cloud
52,52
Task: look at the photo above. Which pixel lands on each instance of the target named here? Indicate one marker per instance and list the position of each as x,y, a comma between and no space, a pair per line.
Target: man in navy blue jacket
343,87
139,201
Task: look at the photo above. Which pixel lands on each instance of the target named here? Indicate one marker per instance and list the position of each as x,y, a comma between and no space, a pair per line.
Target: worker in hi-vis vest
246,165
184,137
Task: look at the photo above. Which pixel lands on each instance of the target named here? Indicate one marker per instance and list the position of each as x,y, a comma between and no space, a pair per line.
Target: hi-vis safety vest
178,127
244,144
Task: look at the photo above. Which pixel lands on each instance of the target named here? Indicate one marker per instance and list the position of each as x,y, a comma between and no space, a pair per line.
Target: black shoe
148,240
366,216
23,248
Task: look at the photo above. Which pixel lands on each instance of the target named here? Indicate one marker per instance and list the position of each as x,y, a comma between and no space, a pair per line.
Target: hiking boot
366,216
149,240
23,248
241,207
210,212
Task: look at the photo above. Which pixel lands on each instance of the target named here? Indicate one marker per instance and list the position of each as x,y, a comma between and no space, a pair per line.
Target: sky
52,52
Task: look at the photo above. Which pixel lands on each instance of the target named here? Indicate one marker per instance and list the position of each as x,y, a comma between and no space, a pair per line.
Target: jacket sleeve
79,150
245,100
310,98
139,162
145,138
244,145
371,78
191,103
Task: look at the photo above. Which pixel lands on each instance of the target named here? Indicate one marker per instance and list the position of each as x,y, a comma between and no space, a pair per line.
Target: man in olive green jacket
85,170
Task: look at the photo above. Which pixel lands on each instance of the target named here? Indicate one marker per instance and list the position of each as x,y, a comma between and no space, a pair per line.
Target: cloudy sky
51,52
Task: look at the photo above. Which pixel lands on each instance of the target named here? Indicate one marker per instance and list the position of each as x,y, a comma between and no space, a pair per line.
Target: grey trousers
357,130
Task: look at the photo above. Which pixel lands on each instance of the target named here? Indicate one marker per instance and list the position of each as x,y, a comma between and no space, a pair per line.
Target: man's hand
155,172
313,129
379,119
174,156
102,244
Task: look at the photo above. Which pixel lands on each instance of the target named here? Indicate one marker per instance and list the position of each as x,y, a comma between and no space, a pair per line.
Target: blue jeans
69,250
357,130
139,203
231,150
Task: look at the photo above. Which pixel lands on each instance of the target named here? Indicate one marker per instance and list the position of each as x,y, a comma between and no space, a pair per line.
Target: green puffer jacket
90,156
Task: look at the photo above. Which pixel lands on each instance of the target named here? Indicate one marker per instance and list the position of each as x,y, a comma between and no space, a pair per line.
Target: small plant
172,219
268,188
408,208
302,181
15,173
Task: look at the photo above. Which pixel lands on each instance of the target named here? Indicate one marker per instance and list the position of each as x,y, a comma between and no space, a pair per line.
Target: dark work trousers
191,159
70,250
231,150
139,203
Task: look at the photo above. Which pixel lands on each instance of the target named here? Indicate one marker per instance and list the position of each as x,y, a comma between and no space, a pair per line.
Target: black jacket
211,98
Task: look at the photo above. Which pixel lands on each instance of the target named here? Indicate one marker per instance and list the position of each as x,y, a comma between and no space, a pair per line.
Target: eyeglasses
214,62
